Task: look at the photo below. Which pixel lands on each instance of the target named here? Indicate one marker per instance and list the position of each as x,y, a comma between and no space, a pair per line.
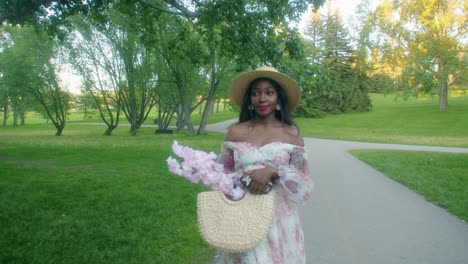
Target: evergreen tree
336,81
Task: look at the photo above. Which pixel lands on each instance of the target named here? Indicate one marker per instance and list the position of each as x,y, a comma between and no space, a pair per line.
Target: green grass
83,197
415,121
76,116
86,198
442,178
217,117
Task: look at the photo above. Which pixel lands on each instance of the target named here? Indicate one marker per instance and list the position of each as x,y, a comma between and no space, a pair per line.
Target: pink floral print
285,242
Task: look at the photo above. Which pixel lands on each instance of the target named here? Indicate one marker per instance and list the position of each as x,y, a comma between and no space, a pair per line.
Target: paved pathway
358,216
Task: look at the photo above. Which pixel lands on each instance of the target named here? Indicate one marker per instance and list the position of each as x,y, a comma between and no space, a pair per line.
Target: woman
268,147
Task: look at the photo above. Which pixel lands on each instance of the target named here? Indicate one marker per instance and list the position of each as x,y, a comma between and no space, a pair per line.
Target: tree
86,103
20,105
115,58
4,99
22,11
168,104
363,26
333,77
13,98
51,15
27,66
426,38
181,60
247,23
249,34
137,93
313,30
97,63
219,68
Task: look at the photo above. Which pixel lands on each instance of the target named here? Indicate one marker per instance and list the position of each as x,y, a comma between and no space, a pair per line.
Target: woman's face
264,98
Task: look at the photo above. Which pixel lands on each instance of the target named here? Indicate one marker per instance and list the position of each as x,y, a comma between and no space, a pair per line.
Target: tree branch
183,10
160,8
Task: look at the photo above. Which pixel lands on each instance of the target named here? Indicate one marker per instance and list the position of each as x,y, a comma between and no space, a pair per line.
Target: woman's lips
262,107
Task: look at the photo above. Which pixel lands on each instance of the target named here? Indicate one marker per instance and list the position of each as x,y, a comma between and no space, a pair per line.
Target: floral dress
285,242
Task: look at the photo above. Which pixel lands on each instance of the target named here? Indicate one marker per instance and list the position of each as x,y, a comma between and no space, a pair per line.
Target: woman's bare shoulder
237,132
294,135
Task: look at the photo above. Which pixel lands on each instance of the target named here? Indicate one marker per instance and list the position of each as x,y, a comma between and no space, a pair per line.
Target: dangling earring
250,107
278,107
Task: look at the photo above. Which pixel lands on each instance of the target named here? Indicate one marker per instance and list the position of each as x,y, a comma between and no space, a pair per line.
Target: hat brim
240,84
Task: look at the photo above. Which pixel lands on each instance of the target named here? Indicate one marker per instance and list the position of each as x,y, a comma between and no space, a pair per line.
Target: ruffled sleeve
226,157
294,177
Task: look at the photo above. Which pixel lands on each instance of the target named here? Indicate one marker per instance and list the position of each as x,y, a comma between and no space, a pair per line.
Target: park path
357,215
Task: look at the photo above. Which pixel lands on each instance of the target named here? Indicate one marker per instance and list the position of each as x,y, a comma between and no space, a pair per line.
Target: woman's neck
266,121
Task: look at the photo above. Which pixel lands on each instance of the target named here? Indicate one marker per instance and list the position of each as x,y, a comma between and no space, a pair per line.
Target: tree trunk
188,122
59,129
23,118
443,97
133,124
85,117
180,124
15,115
212,107
185,120
443,91
109,130
132,108
211,94
5,113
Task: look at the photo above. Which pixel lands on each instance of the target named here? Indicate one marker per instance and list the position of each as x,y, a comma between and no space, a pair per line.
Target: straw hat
240,84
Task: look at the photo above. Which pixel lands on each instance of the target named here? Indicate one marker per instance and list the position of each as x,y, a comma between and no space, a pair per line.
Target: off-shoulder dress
285,241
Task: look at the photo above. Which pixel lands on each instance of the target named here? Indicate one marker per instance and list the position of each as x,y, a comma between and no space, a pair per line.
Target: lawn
442,178
86,198
415,121
78,116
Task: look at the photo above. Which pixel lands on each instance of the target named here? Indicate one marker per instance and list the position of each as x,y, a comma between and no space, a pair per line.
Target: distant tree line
134,56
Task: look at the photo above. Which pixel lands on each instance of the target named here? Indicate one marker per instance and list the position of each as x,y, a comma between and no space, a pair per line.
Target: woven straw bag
234,226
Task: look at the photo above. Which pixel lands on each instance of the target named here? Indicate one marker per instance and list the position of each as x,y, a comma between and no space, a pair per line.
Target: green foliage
442,178
28,71
260,29
248,26
332,79
424,45
118,70
49,13
196,38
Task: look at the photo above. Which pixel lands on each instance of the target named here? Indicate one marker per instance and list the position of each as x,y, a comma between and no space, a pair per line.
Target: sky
69,80
346,9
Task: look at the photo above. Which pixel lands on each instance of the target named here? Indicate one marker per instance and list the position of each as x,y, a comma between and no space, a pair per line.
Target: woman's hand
261,179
